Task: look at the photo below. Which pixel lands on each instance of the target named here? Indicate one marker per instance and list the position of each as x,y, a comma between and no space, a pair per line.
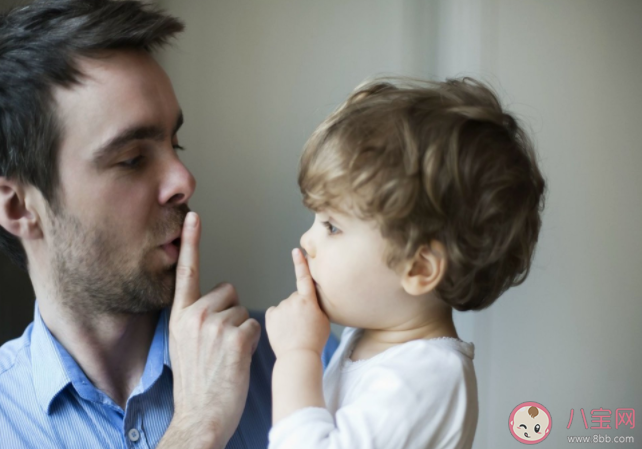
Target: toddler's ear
423,273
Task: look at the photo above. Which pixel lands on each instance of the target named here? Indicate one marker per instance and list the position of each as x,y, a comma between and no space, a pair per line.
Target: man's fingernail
190,220
294,253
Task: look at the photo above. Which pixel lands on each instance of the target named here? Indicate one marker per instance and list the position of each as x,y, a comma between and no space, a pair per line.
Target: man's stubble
95,274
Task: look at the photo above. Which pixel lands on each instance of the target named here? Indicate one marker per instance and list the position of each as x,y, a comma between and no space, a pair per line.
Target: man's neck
110,349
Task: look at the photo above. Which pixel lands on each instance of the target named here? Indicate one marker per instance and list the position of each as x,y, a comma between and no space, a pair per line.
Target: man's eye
178,147
131,163
330,227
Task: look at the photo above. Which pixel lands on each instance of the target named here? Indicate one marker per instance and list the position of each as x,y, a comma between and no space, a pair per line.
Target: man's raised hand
211,343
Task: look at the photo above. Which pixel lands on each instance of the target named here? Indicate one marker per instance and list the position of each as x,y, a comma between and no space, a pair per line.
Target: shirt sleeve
390,410
377,419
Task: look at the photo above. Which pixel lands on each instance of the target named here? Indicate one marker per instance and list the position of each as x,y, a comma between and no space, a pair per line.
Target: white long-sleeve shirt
417,395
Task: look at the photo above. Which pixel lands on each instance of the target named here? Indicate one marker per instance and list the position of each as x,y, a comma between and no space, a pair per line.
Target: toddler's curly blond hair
434,161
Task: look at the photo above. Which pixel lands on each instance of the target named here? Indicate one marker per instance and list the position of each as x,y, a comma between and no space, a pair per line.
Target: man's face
123,190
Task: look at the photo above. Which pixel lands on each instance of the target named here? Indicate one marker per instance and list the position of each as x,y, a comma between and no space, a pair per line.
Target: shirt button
133,435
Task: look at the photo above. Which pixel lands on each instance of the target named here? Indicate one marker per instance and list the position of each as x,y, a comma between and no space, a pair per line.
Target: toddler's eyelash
330,227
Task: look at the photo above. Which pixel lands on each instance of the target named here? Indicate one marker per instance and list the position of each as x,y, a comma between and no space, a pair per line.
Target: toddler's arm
419,397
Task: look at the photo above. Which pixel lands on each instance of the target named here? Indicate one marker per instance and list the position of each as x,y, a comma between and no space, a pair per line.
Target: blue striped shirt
46,401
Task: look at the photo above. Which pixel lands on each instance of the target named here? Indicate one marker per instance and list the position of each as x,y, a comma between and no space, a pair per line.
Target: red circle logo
530,423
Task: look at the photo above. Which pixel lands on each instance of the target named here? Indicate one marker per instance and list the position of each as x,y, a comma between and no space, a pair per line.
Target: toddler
427,197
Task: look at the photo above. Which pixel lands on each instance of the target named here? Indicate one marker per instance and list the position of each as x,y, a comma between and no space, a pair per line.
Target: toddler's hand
298,323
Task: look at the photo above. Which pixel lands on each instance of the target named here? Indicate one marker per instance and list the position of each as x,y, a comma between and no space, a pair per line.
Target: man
93,203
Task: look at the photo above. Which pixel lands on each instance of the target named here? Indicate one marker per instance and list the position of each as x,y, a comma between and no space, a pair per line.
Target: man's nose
307,243
177,185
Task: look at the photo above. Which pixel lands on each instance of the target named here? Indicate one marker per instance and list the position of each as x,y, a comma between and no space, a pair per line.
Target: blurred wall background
254,79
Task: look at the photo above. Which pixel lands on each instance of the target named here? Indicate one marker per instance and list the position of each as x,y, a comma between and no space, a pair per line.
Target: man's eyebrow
151,132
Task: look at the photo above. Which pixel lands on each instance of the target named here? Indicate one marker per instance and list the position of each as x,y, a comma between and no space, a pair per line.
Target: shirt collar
49,374
158,356
54,368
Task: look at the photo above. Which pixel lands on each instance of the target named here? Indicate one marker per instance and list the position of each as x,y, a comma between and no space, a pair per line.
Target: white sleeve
373,421
391,410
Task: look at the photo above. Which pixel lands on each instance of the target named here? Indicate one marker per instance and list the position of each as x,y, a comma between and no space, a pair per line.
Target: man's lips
174,238
172,246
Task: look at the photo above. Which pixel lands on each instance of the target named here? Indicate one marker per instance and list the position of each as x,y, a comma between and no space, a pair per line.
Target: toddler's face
354,285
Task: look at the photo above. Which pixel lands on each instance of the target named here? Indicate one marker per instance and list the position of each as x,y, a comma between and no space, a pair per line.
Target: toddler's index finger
187,283
304,282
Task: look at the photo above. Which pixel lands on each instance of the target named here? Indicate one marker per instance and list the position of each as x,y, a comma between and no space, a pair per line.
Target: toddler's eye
537,428
330,227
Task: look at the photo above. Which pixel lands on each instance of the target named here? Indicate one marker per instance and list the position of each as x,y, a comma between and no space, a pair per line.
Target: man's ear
423,273
18,214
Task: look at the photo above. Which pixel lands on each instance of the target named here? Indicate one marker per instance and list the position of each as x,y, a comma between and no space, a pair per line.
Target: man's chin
153,291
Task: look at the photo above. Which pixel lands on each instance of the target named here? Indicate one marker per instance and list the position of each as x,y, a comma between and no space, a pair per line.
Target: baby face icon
530,423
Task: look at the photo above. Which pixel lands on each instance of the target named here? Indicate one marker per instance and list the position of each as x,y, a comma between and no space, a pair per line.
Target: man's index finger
187,268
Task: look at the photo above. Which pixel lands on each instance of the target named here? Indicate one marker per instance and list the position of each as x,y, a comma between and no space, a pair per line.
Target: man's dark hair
39,49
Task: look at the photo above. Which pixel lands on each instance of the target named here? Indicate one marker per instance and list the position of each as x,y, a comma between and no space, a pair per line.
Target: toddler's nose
307,245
